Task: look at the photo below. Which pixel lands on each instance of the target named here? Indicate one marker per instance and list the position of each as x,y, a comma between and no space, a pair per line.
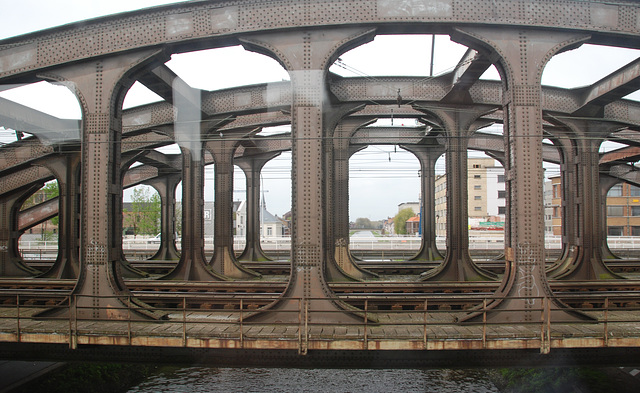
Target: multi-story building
415,206
413,225
548,207
623,209
271,226
556,205
486,200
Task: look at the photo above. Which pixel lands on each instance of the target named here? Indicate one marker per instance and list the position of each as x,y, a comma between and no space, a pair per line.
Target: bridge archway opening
553,213
181,82
209,197
49,113
141,222
622,215
384,202
36,118
561,70
239,209
222,68
276,185
388,55
486,189
621,208
39,241
551,191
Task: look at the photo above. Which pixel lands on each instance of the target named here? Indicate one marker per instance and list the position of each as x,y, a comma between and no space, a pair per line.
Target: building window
615,211
502,210
477,197
635,210
500,178
615,191
635,231
477,187
556,191
477,208
477,177
634,190
269,231
615,231
556,211
502,194
476,166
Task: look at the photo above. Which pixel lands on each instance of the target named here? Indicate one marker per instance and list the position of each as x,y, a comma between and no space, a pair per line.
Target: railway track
379,267
388,295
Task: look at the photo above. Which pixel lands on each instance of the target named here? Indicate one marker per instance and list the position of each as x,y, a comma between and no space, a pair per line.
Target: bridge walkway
393,330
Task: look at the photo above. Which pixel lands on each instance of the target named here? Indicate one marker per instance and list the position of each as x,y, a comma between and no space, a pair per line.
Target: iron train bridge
93,304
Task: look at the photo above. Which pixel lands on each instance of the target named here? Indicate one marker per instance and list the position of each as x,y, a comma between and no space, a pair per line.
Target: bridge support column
166,188
11,264
459,124
101,85
192,265
427,156
307,55
581,206
224,259
189,132
65,169
520,56
341,266
252,166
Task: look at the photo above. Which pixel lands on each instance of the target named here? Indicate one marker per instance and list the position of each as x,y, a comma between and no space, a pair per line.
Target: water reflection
202,379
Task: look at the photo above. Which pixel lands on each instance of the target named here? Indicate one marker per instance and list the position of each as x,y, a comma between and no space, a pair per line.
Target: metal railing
122,321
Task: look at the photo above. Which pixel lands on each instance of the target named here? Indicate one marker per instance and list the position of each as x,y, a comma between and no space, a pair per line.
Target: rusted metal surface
457,125
166,188
418,329
102,58
35,215
341,264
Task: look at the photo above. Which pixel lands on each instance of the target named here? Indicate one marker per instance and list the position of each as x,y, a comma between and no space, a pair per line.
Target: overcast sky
382,177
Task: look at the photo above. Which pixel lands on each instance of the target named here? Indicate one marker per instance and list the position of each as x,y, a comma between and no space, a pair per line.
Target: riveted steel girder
427,155
524,277
166,188
100,291
222,146
458,123
582,259
101,57
341,264
306,56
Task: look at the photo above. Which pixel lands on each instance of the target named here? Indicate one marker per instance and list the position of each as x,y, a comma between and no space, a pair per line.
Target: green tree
363,223
400,220
145,213
178,214
48,191
51,190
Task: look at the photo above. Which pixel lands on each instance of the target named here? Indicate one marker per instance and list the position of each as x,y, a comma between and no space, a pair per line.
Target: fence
38,250
425,327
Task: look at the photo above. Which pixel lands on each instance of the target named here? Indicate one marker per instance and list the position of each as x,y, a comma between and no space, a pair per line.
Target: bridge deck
394,330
